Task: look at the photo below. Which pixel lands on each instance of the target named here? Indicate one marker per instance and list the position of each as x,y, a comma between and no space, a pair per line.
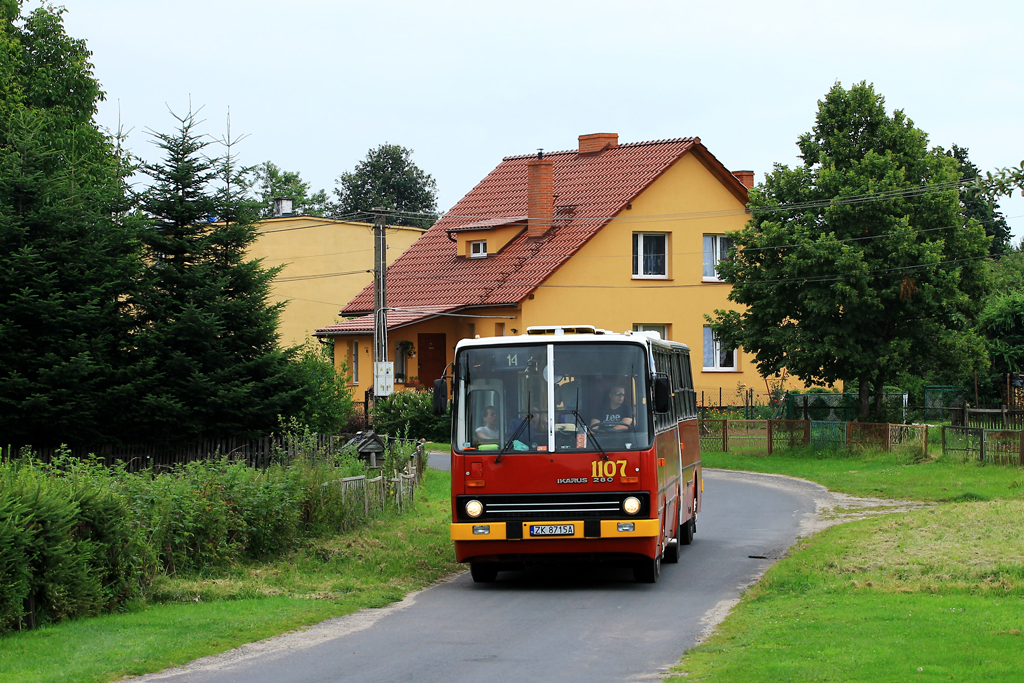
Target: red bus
572,443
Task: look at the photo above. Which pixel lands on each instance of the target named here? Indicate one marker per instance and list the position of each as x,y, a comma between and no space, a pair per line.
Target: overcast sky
317,83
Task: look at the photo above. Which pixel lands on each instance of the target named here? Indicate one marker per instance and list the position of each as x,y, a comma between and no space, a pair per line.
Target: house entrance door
433,357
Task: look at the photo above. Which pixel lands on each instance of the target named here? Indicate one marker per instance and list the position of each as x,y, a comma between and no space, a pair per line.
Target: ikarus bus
570,443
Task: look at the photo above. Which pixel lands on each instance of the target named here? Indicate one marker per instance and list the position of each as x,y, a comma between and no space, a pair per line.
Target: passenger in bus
488,431
615,412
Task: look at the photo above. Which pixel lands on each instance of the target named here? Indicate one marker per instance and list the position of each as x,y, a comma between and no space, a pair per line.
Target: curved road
586,624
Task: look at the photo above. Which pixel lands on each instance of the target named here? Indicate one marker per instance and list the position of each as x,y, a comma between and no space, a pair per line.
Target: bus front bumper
551,531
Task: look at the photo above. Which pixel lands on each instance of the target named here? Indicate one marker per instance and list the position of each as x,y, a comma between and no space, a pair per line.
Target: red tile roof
400,318
589,190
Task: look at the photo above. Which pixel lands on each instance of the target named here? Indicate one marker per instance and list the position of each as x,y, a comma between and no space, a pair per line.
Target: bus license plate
552,529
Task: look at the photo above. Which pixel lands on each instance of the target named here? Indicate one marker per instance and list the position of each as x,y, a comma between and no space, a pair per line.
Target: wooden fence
769,436
1002,418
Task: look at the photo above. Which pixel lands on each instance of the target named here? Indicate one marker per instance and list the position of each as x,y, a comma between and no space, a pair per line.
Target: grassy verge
929,595
184,618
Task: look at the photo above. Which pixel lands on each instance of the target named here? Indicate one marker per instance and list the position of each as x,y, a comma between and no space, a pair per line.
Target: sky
317,83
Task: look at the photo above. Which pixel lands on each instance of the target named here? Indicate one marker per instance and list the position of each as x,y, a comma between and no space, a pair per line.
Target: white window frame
638,256
401,362
478,249
647,327
714,253
355,362
712,349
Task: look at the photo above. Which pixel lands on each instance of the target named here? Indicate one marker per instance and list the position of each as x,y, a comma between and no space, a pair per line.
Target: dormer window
478,249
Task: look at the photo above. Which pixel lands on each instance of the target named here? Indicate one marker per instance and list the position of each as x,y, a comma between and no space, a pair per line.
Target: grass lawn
929,595
185,618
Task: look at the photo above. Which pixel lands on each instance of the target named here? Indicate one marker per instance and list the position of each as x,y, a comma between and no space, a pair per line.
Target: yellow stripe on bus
609,529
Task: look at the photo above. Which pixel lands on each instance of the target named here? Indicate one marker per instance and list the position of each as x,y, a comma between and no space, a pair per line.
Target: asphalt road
582,623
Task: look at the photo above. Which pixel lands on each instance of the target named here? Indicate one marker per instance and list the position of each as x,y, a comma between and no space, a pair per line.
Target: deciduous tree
270,182
388,178
981,205
857,264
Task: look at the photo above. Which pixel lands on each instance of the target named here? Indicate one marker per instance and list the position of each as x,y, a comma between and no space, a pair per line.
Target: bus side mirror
662,395
440,396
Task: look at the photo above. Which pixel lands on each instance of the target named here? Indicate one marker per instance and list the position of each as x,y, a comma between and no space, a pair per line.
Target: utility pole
383,371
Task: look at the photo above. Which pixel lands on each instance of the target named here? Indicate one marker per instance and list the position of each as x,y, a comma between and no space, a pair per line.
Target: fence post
888,436
770,436
924,447
805,407
725,436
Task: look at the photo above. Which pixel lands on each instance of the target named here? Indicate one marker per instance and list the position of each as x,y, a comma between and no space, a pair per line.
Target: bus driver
615,412
488,431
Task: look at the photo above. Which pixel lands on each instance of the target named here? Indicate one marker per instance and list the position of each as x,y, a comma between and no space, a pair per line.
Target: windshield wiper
581,422
515,434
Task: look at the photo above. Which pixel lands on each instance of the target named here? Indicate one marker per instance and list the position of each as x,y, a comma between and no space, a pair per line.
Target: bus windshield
552,397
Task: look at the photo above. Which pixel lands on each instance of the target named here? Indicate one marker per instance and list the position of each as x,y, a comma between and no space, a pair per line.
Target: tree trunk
864,398
879,395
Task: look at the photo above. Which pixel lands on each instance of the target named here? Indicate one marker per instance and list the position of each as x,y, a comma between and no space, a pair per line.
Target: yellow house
326,263
623,237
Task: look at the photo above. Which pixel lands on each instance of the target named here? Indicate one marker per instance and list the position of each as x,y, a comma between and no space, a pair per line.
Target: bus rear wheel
483,572
647,570
688,528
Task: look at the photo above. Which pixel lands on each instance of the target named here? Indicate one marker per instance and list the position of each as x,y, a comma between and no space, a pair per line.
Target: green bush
67,547
78,539
412,413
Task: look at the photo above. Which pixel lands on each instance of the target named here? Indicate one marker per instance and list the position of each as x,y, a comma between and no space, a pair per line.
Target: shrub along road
573,624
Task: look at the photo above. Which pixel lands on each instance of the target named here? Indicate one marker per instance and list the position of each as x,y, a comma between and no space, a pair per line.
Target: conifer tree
207,318
68,243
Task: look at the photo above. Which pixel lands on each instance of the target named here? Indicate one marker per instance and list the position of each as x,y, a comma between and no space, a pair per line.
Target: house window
650,255
716,356
355,362
716,249
660,329
478,249
400,360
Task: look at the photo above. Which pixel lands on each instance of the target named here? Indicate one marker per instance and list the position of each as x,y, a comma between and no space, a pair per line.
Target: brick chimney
540,194
745,177
598,142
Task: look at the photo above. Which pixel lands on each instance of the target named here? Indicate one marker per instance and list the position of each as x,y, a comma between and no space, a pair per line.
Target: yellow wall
313,251
596,286
496,238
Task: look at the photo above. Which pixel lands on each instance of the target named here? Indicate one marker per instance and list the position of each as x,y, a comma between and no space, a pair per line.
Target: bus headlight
631,505
475,508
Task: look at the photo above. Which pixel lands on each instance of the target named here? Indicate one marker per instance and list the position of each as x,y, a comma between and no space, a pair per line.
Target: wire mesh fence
997,446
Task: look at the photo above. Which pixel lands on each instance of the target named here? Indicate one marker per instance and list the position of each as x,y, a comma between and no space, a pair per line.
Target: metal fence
997,446
839,407
770,436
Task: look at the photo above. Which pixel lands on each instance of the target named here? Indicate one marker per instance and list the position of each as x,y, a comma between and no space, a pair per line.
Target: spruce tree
68,244
207,318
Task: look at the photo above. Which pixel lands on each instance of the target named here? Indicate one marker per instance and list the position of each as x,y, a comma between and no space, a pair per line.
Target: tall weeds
78,539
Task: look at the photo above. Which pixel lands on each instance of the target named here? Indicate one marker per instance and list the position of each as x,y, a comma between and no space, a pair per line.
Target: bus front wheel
647,570
483,572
